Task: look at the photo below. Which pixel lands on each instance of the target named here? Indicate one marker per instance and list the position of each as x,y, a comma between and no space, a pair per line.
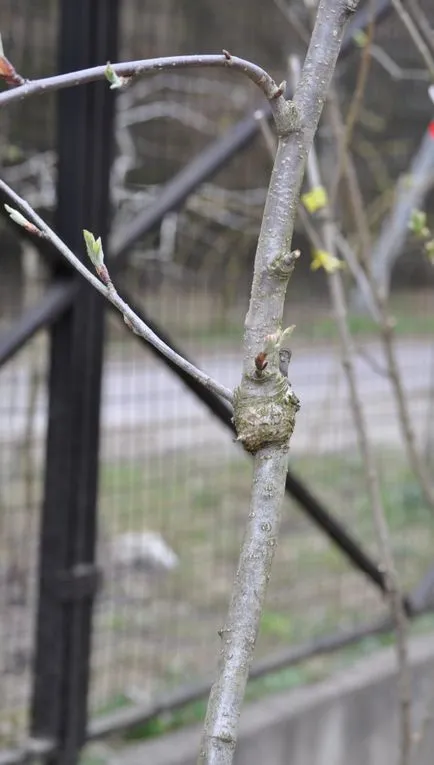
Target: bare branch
293,19
354,109
372,363
109,292
129,69
379,297
266,396
348,352
414,457
357,272
309,228
415,35
422,22
391,67
355,197
411,191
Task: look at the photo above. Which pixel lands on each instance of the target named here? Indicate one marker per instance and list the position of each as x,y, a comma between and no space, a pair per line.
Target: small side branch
37,226
120,74
415,35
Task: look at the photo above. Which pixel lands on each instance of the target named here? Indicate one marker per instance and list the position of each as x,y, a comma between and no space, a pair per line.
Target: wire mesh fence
193,278
173,486
27,160
22,426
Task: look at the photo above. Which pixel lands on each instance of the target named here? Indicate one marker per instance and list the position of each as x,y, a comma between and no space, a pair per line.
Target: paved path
147,409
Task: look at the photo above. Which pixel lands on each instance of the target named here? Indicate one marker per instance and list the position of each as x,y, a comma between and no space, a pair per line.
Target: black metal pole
53,304
67,575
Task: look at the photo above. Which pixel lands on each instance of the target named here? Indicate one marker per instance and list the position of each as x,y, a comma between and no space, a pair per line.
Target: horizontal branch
261,78
131,319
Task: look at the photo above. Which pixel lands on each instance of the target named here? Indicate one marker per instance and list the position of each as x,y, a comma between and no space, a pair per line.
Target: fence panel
173,487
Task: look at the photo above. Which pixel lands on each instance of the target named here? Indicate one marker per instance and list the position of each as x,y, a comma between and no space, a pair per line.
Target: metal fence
122,493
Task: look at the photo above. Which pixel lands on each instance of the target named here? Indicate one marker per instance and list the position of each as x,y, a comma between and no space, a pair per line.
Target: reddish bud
261,361
8,72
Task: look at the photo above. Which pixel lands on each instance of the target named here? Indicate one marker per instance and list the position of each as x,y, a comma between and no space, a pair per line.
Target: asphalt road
147,410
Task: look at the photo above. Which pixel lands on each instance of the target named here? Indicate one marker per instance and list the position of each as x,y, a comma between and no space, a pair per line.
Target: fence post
67,572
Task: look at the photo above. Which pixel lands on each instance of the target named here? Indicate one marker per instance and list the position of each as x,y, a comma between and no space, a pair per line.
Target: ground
314,591
166,466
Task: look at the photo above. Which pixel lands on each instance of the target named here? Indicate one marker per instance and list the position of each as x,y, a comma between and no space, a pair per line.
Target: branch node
226,54
9,74
280,90
286,115
283,265
261,362
129,324
351,6
263,420
223,631
115,81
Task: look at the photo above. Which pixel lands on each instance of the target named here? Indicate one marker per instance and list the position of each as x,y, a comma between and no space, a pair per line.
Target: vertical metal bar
67,581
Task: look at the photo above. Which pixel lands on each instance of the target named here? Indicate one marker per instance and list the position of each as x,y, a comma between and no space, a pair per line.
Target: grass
289,678
201,491
199,322
315,328
160,633
407,325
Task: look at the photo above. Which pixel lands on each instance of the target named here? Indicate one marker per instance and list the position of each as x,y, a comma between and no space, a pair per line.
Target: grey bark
260,398
264,404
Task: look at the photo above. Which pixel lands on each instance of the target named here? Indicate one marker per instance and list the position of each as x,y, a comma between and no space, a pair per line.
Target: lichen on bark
267,418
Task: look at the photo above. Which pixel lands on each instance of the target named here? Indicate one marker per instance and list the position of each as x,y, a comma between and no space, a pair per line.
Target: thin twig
373,363
293,20
385,323
394,70
355,196
422,22
415,458
357,272
131,319
409,195
415,35
348,352
354,108
309,228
